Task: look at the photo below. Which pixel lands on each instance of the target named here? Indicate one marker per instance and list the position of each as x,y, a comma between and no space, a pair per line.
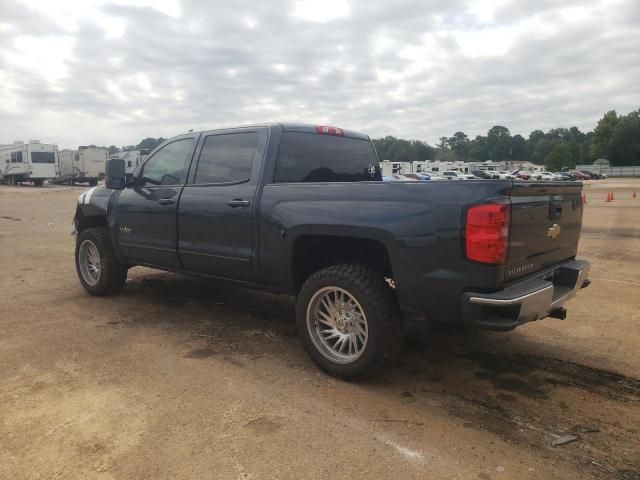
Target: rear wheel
349,320
93,183
100,272
38,182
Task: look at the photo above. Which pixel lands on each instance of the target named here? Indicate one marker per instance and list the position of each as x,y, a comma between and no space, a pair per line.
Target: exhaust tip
559,313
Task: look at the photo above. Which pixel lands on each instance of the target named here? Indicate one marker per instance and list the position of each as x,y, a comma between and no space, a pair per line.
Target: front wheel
99,270
349,320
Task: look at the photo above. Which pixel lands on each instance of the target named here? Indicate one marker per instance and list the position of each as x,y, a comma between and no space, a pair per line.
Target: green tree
421,151
499,143
442,149
559,157
478,149
518,148
532,141
383,145
624,145
535,136
577,135
558,134
398,149
459,146
113,149
602,134
543,148
149,143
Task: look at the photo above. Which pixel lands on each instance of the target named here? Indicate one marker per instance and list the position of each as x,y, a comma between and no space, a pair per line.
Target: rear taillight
329,130
487,233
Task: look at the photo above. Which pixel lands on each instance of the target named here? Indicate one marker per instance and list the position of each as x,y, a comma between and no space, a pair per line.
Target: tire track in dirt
535,400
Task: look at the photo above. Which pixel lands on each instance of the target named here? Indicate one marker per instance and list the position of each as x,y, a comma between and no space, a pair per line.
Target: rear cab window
313,157
227,158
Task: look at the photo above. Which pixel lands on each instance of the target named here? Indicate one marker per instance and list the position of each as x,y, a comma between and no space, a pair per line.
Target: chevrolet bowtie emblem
554,231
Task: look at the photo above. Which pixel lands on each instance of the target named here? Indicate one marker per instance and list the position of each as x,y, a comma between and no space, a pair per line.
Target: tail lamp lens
487,233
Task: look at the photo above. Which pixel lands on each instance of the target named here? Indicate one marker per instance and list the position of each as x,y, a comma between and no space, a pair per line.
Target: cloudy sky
113,72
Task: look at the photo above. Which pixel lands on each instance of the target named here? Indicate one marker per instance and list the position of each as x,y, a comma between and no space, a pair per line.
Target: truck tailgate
545,226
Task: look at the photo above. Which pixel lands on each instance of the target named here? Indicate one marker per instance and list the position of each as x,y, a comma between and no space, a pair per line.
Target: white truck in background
28,162
84,165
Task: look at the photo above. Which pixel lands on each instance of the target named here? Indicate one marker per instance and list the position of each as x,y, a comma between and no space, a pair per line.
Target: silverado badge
554,231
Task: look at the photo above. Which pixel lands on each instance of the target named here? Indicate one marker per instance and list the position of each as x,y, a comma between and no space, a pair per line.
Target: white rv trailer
28,162
83,165
132,158
390,168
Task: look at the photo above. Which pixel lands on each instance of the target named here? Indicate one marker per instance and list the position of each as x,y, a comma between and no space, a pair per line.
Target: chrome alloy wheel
89,262
337,325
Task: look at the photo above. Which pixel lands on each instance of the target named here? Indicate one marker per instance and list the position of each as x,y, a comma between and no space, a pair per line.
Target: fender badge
554,231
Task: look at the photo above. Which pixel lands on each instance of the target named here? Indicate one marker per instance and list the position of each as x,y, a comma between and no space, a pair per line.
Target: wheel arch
82,221
313,252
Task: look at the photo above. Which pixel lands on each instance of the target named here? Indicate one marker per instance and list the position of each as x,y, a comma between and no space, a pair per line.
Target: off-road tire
380,307
113,274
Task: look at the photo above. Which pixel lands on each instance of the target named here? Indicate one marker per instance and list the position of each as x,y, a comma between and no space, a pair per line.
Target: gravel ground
180,378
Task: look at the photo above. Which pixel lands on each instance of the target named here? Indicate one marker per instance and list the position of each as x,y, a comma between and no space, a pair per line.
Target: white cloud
47,57
113,72
320,11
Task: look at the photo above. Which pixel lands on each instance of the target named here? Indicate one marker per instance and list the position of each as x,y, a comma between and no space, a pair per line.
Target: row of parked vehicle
498,175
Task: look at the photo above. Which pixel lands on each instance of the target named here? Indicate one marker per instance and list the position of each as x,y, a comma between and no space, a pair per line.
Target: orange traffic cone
634,195
608,197
584,198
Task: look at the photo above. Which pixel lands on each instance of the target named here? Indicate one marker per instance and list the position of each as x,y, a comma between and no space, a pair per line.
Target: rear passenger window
310,157
227,158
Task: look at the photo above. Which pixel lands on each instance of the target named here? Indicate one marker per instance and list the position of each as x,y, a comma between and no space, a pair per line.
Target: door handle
238,202
166,201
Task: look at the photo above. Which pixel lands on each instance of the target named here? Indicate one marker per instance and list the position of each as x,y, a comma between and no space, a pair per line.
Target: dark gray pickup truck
303,210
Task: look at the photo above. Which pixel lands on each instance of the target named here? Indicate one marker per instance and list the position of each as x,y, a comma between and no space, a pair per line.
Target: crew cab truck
303,210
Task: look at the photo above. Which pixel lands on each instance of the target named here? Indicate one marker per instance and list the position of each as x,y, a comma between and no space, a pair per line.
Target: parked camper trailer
28,162
83,165
132,158
390,168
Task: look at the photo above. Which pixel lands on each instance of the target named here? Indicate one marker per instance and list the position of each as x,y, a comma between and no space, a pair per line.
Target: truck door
146,216
216,211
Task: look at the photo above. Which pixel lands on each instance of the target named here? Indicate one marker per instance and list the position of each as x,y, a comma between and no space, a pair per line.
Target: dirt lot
178,378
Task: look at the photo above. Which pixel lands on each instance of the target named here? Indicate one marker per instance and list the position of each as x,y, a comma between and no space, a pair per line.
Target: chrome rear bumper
531,299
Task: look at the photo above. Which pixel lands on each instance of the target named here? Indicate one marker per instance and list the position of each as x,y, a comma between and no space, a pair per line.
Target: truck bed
421,226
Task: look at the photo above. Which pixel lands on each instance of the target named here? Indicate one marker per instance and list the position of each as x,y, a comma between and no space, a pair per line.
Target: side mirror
114,174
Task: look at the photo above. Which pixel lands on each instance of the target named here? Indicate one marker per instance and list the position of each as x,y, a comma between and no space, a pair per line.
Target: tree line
615,138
